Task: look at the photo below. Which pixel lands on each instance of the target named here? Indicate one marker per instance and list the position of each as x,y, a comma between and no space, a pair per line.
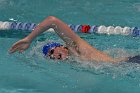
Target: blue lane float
22,26
135,32
110,30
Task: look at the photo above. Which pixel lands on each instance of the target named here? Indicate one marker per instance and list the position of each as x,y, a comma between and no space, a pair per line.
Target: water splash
117,70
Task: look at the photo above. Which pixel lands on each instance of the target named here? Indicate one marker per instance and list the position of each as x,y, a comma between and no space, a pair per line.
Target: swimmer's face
60,53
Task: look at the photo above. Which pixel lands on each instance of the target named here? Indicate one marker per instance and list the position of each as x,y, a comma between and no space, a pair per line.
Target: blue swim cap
49,46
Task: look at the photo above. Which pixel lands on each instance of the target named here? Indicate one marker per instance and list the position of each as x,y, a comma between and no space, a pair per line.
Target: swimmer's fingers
15,47
12,50
20,45
16,44
20,49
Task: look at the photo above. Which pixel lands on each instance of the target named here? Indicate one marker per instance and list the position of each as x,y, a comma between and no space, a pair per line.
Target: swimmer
75,45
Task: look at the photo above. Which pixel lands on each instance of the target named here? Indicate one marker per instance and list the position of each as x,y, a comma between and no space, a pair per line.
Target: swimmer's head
55,51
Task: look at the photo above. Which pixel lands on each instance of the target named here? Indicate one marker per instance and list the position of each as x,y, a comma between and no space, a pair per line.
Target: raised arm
62,29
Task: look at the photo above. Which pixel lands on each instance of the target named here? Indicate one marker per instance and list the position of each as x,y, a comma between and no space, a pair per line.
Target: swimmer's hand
20,46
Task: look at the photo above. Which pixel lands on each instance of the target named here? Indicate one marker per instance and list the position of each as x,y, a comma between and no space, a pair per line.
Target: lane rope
110,30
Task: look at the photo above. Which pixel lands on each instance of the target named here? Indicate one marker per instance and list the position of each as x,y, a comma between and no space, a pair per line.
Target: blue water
31,73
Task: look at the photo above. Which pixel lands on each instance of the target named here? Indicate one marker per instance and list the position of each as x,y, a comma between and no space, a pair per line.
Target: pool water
30,72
